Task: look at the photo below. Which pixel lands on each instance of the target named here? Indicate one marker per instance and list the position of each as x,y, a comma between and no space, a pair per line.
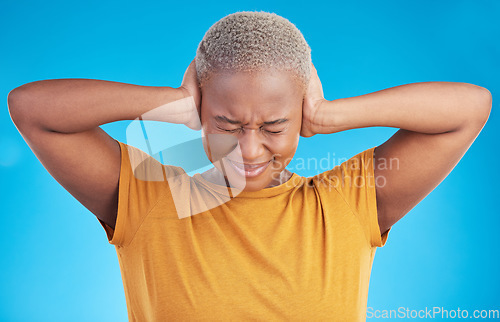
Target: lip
249,169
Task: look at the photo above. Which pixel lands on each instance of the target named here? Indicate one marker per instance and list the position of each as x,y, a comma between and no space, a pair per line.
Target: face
251,124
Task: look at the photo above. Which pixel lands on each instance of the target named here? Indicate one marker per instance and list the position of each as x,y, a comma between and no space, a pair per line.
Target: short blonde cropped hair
253,41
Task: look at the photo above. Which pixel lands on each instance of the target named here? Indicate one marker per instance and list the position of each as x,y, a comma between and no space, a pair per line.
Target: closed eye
273,132
229,131
241,129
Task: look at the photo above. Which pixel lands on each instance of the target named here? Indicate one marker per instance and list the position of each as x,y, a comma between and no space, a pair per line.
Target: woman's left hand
312,101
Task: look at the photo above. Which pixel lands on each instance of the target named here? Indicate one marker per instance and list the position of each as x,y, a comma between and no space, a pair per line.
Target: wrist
326,117
172,94
323,118
171,106
182,92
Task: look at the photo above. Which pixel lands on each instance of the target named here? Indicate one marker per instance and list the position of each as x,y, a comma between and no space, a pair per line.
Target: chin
249,183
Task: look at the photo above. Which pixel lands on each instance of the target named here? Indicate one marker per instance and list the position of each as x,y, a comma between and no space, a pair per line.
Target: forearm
77,105
431,107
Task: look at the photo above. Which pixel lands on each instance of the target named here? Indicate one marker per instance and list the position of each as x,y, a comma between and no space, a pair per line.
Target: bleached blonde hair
253,41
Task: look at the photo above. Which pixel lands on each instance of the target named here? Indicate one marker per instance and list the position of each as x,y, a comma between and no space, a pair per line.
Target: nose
252,146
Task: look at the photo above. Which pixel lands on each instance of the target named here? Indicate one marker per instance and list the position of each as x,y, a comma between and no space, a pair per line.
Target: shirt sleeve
143,181
355,181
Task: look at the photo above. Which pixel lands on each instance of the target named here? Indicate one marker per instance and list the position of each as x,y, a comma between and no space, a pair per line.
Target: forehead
271,93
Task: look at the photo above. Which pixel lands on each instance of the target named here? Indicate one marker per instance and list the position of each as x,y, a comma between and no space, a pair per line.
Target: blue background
56,263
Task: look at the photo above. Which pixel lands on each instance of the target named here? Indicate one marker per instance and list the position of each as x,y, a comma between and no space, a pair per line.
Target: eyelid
261,128
226,130
282,128
273,132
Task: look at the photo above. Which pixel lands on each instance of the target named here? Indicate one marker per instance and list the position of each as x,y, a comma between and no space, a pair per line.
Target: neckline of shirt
294,181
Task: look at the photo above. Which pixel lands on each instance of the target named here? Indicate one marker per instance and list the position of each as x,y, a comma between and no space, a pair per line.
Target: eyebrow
223,118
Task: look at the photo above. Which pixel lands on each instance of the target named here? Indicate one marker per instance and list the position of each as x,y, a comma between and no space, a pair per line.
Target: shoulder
144,166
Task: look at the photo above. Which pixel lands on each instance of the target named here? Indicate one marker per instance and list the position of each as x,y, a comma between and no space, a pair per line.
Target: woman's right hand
190,87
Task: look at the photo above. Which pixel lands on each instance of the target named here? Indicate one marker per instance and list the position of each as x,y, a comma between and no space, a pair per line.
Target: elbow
18,104
14,104
480,101
485,102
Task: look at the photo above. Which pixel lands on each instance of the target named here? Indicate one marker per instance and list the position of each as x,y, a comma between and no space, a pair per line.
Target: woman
248,240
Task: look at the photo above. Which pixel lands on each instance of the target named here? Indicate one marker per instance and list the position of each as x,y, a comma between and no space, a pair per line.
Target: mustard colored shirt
300,251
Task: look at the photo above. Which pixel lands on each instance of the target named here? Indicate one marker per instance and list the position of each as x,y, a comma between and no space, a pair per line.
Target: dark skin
263,111
60,121
438,121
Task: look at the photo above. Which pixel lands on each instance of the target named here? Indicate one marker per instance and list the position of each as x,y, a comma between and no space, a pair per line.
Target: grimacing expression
261,112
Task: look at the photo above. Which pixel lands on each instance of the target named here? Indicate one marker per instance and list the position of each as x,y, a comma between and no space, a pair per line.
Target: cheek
205,143
203,119
204,113
207,125
285,147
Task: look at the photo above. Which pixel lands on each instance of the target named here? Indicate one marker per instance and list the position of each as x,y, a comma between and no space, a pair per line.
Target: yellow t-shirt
299,251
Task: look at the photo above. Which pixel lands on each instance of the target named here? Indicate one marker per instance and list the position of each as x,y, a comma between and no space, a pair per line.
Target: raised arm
59,119
438,122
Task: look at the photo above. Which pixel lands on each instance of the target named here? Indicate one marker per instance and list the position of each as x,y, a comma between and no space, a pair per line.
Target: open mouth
248,170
